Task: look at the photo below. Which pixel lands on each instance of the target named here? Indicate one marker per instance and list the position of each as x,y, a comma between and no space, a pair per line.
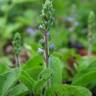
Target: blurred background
67,38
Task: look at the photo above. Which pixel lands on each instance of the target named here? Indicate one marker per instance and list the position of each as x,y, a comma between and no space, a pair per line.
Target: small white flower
40,50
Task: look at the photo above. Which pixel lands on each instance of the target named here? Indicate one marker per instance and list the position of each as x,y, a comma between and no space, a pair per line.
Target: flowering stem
91,30
46,48
90,44
17,45
47,22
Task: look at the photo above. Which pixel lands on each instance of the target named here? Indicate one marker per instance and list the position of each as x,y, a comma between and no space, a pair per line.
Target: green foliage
68,90
27,80
87,69
85,63
83,78
34,66
56,66
43,79
4,68
36,61
18,90
7,81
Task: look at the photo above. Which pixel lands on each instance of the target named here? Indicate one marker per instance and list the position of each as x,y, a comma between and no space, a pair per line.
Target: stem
46,48
17,61
89,50
18,66
89,44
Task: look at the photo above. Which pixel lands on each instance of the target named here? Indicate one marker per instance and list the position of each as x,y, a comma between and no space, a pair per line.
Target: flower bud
52,47
17,43
47,15
40,50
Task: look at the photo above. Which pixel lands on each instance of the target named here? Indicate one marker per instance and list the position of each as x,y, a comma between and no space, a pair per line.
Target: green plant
47,22
17,45
82,78
36,80
91,30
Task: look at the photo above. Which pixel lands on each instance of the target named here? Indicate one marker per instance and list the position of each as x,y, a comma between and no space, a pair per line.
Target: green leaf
3,68
68,90
7,80
34,66
86,62
18,90
26,79
85,78
11,28
36,61
56,66
44,76
34,72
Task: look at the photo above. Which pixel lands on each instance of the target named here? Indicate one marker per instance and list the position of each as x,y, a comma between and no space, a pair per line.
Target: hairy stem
46,55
